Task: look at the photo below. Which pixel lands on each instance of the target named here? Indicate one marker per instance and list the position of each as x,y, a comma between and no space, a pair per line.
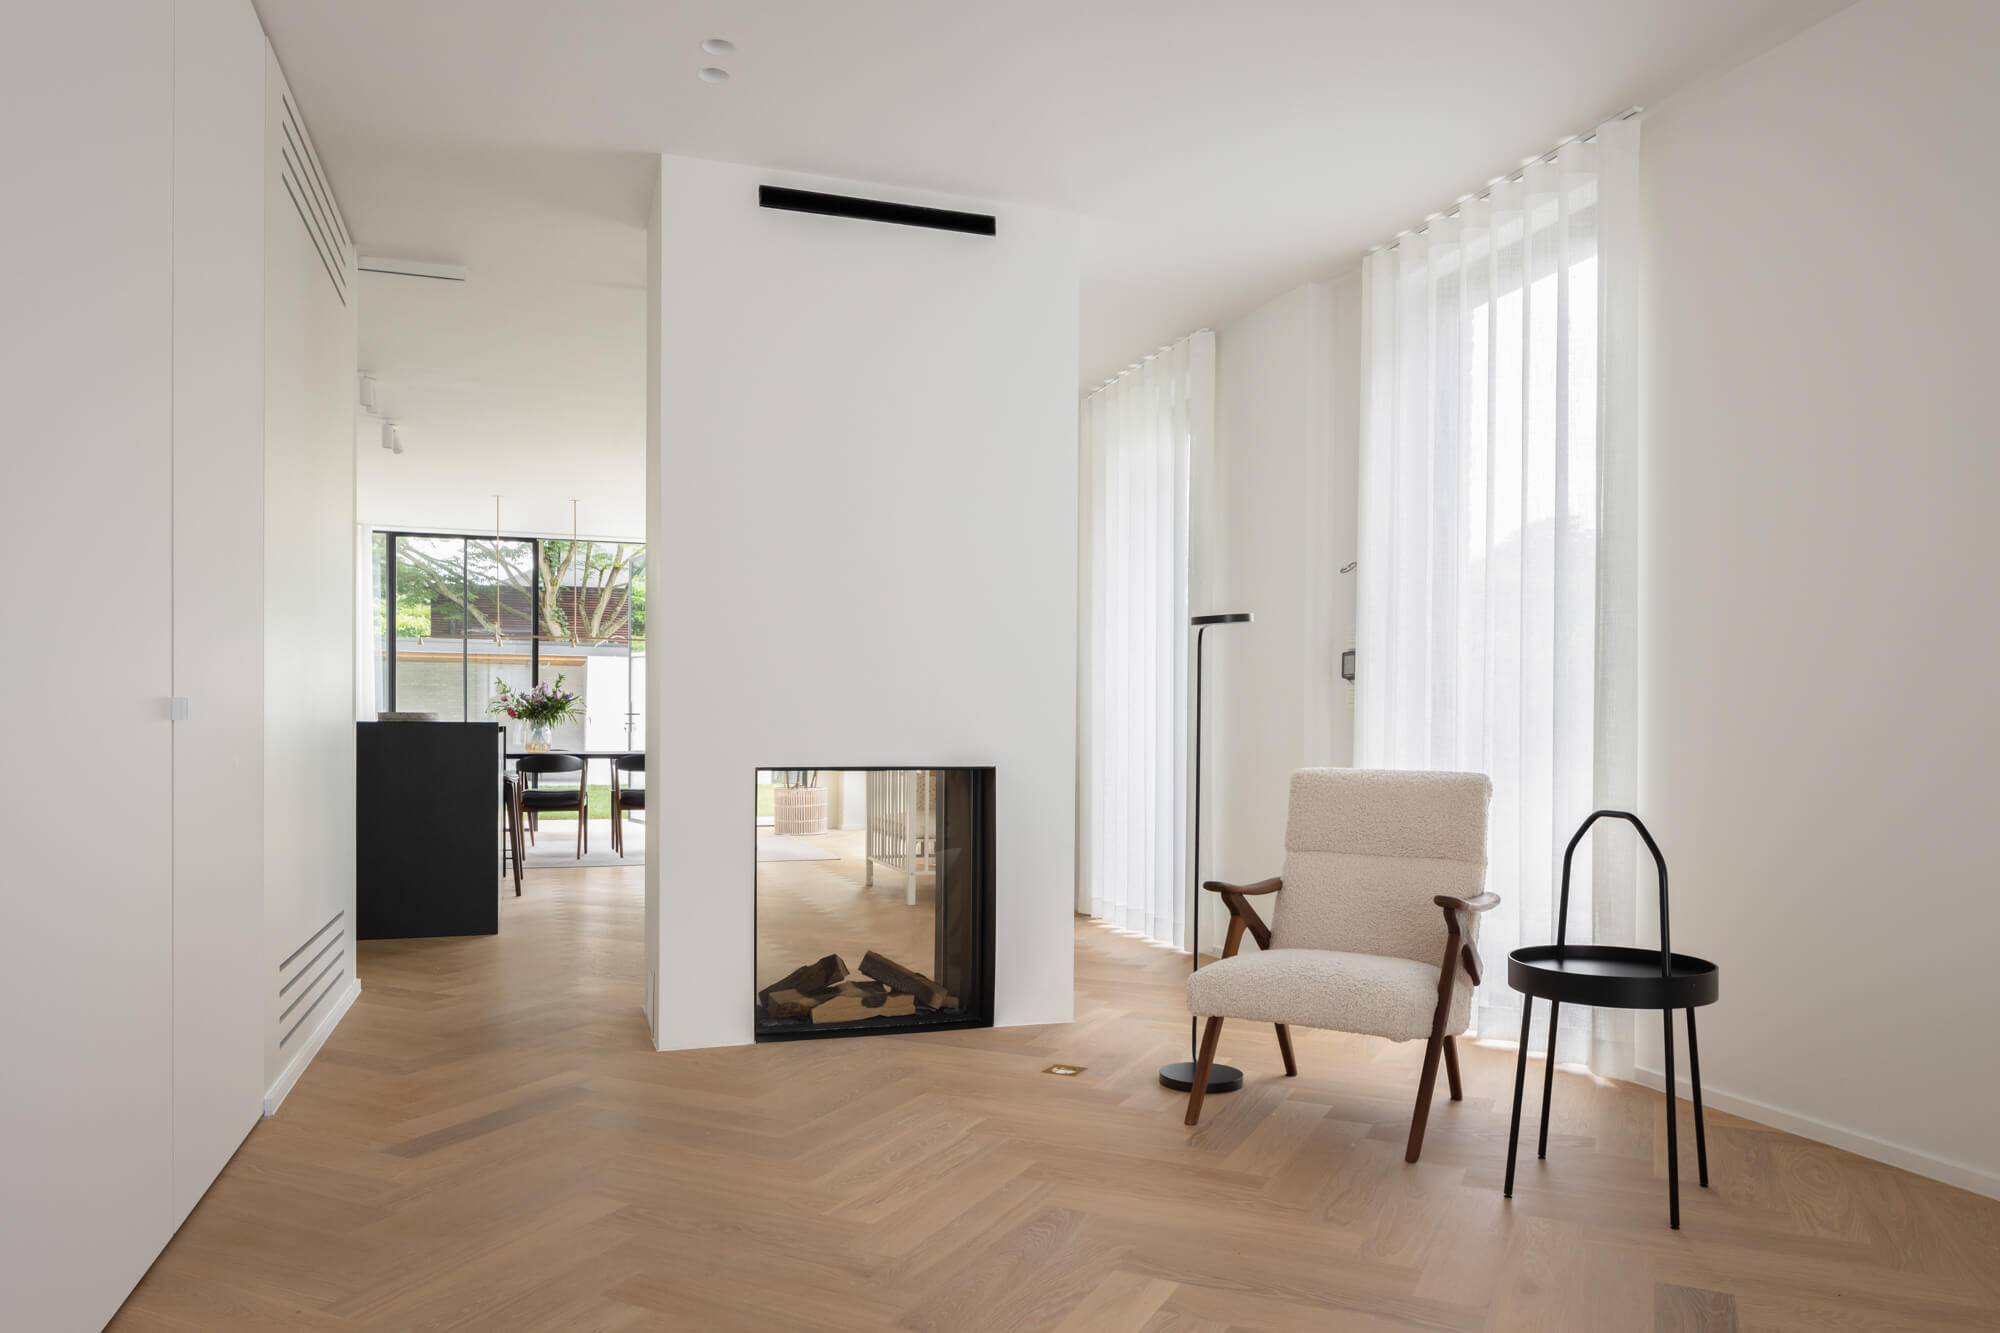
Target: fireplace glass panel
874,900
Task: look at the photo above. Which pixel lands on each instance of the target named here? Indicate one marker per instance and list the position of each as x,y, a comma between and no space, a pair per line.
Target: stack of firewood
824,991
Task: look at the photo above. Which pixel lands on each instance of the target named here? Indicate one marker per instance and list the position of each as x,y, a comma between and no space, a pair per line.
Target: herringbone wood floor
488,1143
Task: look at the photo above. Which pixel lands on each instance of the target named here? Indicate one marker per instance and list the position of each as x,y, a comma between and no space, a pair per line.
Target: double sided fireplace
874,901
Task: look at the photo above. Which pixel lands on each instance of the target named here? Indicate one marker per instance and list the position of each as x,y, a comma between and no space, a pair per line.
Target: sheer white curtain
1495,626
1139,434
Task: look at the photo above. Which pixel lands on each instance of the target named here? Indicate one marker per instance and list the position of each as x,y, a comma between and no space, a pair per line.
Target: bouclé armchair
1375,923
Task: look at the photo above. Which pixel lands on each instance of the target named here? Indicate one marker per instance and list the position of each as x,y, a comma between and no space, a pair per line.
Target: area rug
555,847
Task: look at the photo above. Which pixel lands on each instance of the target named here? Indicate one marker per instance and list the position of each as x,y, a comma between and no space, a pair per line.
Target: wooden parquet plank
489,1143
1692,1310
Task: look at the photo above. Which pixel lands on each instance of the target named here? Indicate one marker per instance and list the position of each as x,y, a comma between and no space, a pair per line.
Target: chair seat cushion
632,798
549,798
1318,988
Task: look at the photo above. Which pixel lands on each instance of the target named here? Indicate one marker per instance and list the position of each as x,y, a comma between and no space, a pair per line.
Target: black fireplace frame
977,998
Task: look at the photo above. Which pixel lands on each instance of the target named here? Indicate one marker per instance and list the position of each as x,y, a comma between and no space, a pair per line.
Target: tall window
455,614
1498,562
1139,435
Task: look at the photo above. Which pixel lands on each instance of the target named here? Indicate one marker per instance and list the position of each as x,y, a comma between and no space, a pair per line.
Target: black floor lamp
1180,1075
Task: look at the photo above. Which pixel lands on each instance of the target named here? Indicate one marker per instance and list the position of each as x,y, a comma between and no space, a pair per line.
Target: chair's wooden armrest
1467,955
1243,916
1261,886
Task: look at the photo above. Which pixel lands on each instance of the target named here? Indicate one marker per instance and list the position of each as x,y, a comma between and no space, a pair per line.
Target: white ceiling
1219,153
527,380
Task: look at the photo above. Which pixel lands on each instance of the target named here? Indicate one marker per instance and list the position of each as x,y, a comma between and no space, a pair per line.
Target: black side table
1613,977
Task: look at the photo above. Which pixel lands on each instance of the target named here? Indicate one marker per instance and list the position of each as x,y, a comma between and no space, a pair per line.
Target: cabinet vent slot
332,975
293,956
300,974
313,198
310,973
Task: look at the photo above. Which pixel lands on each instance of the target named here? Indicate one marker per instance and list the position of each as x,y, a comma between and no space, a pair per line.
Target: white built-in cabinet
170,400
218,510
310,585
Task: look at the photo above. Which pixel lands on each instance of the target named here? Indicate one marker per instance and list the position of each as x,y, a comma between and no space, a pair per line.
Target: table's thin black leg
1673,1132
1549,1077
1520,1079
1694,1074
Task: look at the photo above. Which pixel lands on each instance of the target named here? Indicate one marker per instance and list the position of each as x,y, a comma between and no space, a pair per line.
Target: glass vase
535,737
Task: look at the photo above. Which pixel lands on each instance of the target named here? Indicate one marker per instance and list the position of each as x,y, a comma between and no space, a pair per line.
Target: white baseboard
1962,1174
275,1095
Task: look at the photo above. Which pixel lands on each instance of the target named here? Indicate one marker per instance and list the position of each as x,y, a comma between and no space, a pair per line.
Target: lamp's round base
1180,1077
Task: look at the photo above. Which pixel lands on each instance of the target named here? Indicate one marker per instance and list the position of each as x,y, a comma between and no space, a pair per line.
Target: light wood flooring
489,1143
807,909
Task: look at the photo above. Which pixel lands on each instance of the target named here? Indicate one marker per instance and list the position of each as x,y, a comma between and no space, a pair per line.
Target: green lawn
765,809
600,805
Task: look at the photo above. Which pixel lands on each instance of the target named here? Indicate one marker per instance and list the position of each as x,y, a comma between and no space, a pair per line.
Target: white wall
309,626
1821,573
86,1116
908,397
1279,515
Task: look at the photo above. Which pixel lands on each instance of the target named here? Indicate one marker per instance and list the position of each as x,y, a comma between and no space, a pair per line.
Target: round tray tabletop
1611,977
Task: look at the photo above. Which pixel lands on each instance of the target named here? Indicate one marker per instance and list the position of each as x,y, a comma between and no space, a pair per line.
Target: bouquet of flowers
543,706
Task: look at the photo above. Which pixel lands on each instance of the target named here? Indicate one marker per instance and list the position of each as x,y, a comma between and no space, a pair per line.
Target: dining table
586,755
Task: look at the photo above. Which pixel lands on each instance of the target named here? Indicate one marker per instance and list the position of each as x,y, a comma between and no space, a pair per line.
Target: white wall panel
218,512
1281,512
906,398
86,125
1820,572
309,574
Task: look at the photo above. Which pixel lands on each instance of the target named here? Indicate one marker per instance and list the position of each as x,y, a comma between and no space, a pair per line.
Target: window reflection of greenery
591,592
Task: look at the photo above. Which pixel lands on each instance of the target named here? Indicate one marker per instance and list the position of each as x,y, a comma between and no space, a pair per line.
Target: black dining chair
531,798
625,798
510,815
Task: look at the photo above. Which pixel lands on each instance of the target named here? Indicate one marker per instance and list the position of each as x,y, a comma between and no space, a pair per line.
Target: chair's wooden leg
1426,1086
507,858
1211,1033
519,827
1285,1049
1451,1068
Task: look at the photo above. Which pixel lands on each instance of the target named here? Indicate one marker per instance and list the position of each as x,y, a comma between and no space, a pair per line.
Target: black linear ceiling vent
874,210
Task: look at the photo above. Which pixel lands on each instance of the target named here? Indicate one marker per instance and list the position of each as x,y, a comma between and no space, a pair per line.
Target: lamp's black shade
1233,618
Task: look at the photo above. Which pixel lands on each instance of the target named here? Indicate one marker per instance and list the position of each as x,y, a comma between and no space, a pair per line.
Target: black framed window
457,613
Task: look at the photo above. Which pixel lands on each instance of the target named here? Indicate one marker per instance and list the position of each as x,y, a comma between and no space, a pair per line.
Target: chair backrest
553,762
1366,850
630,763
